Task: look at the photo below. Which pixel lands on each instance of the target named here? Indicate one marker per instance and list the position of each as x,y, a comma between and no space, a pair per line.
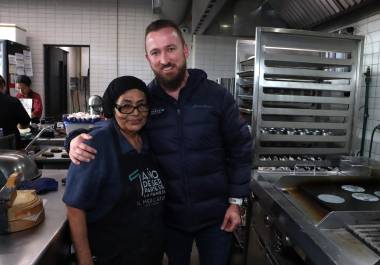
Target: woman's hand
79,151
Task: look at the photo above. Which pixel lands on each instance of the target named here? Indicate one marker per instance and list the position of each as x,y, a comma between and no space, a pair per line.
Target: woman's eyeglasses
129,108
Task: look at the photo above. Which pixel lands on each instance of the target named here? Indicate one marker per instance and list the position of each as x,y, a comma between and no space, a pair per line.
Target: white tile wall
215,54
134,16
86,22
115,35
370,28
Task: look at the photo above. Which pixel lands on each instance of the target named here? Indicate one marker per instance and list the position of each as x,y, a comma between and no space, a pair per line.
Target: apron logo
134,175
152,188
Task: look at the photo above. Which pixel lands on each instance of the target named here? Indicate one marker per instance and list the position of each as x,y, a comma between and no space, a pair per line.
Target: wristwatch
236,201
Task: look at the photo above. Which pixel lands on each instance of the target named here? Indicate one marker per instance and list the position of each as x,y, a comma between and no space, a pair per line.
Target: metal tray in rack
245,97
246,86
248,62
245,110
246,74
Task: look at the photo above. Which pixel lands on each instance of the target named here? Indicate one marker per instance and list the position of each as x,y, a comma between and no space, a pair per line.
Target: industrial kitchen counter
47,243
287,230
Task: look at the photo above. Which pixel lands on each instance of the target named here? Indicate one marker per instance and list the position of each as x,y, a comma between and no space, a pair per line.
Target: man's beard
173,83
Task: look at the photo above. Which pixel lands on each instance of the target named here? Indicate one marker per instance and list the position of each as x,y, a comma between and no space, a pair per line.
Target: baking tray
56,154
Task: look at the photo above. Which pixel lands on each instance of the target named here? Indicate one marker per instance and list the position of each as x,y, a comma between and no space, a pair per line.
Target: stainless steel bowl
15,161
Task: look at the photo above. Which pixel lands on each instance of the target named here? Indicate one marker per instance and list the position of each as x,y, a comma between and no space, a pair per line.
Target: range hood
240,17
307,14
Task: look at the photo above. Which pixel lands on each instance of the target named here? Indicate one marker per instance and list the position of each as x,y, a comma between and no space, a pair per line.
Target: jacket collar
196,76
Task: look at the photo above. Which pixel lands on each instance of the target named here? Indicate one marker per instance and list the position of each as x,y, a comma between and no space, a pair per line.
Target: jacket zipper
182,148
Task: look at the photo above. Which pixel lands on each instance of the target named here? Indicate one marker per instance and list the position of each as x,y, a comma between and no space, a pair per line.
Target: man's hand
231,218
79,151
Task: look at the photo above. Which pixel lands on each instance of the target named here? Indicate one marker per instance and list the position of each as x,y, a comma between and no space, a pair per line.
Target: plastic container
69,126
79,120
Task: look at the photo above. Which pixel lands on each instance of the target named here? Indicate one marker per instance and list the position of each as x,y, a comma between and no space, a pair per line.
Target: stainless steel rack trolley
306,89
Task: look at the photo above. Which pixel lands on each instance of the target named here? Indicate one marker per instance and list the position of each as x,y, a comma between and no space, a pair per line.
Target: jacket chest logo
201,106
157,111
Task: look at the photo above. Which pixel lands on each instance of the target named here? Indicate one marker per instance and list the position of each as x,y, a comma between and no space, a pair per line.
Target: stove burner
365,197
64,155
352,188
47,154
329,198
56,150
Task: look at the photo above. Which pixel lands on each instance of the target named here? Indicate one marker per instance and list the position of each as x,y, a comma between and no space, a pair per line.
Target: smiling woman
131,115
114,202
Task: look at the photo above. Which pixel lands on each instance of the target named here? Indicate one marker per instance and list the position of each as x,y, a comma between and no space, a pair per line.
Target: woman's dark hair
23,79
116,88
163,23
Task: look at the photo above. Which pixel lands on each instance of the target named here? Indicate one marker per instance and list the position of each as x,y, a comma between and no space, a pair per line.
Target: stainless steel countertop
26,247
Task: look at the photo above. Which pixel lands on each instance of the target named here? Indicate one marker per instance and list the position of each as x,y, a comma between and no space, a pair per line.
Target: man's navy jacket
204,149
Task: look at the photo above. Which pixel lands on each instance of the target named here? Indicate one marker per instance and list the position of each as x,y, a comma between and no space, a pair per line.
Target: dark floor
236,258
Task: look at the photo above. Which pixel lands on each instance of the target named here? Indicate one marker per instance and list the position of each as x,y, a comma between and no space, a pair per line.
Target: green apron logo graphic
133,175
152,190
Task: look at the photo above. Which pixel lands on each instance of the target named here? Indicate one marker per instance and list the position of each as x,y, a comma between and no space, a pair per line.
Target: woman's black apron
132,232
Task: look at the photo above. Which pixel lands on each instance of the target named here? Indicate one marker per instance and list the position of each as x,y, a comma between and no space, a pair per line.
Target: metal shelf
246,74
246,97
244,110
249,62
246,86
302,138
292,163
300,151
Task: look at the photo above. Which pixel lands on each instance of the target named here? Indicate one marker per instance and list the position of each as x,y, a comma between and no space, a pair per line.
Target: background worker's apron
132,232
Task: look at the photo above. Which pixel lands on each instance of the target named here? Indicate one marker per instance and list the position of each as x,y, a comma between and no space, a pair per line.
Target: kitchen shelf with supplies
306,88
244,76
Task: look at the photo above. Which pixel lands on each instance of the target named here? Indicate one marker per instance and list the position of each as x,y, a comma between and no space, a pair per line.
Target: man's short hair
23,79
163,23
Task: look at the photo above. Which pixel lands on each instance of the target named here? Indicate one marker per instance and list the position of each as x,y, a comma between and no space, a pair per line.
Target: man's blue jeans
213,245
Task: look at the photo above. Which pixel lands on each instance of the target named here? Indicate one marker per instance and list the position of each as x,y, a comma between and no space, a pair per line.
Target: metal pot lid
15,161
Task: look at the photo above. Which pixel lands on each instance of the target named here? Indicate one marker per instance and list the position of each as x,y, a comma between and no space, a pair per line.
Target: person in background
12,113
114,203
23,84
202,146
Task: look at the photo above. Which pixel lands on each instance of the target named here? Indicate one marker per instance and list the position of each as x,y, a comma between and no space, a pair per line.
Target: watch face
236,201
